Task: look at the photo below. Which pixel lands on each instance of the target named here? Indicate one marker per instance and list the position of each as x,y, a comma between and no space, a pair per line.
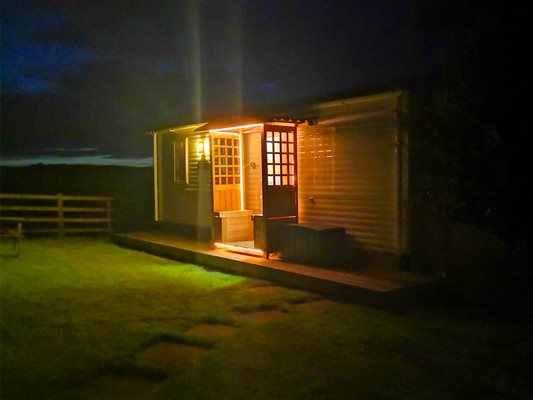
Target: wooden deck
370,286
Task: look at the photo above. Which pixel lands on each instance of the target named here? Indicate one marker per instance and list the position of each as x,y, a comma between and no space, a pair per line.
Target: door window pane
226,160
280,158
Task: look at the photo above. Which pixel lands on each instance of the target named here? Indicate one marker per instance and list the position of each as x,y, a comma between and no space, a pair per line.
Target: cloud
81,160
34,60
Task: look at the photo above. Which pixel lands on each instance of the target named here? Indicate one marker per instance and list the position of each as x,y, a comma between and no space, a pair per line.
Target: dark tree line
469,144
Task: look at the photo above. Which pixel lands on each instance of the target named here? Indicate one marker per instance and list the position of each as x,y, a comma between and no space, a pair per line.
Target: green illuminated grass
76,310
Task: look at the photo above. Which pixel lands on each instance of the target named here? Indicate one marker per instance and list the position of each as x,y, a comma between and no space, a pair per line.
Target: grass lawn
84,319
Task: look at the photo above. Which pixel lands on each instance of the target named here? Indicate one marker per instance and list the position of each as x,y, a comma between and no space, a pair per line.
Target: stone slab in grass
121,387
263,316
316,306
171,355
212,330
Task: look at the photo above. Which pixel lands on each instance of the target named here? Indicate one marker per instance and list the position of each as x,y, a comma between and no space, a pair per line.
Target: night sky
92,77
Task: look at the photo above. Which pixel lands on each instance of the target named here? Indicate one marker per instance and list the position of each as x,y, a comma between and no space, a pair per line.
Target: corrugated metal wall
349,170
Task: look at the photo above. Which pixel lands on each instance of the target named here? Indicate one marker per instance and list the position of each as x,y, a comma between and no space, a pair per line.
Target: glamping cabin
291,184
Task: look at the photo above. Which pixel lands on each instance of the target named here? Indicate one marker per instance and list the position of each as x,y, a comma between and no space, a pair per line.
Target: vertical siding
252,175
348,170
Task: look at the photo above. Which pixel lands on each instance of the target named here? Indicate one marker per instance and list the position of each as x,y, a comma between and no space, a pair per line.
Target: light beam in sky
196,59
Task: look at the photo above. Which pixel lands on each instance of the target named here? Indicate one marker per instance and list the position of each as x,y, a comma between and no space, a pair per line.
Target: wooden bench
12,234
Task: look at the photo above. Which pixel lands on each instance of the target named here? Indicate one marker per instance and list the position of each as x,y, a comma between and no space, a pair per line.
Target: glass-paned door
281,158
226,164
280,171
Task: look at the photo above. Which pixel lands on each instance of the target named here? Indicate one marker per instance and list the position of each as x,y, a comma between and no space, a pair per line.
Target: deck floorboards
367,284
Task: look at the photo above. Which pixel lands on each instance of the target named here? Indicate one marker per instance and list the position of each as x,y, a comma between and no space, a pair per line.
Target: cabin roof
180,129
298,113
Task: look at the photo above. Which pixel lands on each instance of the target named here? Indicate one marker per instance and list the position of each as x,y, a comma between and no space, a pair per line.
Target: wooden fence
57,214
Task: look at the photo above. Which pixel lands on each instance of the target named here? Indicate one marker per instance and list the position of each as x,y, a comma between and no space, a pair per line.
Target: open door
280,189
226,156
232,224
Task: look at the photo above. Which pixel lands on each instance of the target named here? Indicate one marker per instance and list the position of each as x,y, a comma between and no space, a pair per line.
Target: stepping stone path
169,355
212,330
316,306
164,356
263,316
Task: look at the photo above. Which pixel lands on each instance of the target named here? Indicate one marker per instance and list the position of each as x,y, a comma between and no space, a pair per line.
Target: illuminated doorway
254,170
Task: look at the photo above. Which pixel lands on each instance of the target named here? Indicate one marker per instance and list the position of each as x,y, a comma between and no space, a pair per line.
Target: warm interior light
227,131
224,130
241,166
203,146
239,249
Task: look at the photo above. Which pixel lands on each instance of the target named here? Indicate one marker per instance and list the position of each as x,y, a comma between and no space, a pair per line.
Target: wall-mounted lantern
203,147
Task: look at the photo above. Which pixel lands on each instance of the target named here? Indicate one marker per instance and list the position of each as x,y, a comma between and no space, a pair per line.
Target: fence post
60,215
108,201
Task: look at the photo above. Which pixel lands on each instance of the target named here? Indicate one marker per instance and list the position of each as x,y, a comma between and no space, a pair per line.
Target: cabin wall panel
182,203
348,170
